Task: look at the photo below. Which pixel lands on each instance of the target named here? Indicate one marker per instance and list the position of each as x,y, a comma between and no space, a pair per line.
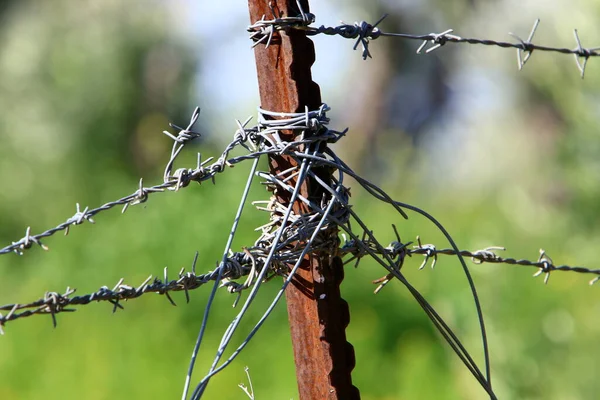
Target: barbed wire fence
291,234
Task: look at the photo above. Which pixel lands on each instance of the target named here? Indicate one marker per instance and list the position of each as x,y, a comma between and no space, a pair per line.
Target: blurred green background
500,157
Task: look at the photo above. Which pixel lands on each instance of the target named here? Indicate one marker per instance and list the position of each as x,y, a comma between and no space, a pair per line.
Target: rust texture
317,314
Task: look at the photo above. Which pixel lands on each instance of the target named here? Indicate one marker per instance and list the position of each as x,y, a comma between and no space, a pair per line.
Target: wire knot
365,33
185,134
26,242
79,218
545,265
263,30
486,255
437,40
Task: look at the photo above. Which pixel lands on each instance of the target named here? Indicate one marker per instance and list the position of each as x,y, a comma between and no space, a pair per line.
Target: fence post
317,314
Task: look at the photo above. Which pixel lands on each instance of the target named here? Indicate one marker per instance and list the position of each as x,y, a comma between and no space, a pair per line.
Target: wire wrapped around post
318,316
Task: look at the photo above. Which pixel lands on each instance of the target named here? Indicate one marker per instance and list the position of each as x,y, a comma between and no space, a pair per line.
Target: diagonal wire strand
229,332
220,269
280,293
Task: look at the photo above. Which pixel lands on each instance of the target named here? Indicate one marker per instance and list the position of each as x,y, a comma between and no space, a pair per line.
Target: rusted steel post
318,315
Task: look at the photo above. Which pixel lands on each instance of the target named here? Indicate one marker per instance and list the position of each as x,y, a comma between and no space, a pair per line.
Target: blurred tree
116,61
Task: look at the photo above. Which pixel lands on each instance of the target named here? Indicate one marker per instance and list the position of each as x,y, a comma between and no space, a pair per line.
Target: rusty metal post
318,316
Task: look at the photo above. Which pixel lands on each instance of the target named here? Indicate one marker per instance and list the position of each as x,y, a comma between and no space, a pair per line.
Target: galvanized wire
213,293
182,177
363,32
53,303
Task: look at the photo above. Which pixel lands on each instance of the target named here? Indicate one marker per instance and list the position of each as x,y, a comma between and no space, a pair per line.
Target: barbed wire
289,236
53,303
364,32
182,177
544,263
324,214
285,239
398,250
262,30
241,264
287,232
234,265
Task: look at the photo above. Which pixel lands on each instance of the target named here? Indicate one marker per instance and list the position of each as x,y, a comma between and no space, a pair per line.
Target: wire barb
581,52
437,40
527,46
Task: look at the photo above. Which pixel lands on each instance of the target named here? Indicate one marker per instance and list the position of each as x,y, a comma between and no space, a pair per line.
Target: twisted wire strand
389,264
180,178
363,32
53,303
393,268
213,293
544,263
